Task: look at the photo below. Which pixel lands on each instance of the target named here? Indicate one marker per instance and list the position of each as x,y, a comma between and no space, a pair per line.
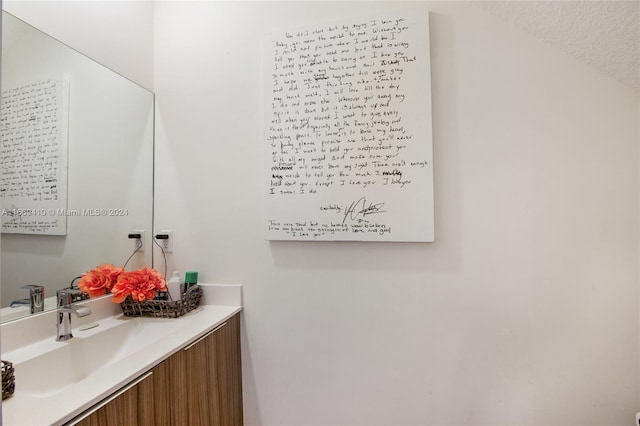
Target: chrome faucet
35,300
65,299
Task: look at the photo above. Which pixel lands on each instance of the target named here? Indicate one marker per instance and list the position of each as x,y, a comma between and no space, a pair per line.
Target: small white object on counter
174,285
126,347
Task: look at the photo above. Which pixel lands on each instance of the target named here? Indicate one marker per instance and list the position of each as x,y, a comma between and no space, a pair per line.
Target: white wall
524,310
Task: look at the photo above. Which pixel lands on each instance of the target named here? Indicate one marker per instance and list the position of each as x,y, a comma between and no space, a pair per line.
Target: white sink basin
49,367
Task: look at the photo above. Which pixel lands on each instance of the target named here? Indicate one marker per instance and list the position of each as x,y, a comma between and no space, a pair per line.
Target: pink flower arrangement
141,285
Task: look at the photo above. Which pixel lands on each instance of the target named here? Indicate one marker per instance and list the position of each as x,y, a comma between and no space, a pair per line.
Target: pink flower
98,281
141,285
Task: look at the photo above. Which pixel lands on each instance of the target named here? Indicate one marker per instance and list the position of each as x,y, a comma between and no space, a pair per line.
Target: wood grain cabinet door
170,391
131,406
229,373
214,377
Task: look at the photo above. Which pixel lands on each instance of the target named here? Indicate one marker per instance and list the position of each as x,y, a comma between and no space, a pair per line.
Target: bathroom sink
49,367
56,382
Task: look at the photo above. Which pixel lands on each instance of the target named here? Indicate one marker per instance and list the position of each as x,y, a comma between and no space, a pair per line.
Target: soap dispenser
175,286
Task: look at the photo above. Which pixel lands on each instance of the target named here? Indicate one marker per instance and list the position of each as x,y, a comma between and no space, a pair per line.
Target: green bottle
190,279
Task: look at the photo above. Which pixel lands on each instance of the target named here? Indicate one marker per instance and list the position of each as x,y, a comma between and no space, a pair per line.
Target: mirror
106,166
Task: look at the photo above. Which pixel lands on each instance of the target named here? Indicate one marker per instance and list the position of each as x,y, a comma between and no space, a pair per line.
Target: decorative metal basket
8,379
163,308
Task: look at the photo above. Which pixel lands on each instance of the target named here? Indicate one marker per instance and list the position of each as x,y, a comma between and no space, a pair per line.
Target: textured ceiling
603,34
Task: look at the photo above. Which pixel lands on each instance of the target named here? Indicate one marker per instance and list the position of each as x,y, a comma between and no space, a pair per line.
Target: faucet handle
36,297
70,295
64,298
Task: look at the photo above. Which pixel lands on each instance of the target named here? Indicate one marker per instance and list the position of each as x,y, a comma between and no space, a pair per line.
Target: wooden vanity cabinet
200,385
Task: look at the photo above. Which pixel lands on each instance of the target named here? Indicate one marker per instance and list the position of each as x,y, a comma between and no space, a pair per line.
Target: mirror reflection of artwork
33,154
108,167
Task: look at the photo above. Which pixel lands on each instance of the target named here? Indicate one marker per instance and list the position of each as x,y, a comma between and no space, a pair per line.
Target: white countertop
59,408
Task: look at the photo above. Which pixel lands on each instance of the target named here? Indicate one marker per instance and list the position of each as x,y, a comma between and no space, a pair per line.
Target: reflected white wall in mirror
110,166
